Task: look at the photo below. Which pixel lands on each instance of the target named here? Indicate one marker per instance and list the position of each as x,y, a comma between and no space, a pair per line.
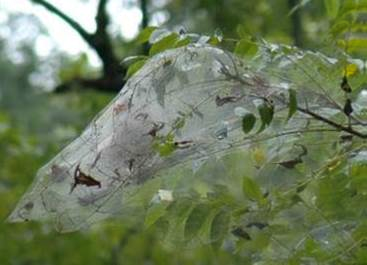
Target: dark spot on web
224,100
239,232
29,206
257,225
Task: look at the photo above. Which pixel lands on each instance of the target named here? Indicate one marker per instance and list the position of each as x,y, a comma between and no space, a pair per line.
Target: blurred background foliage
36,121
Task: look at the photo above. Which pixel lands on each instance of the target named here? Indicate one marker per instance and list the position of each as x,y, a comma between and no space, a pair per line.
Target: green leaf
214,41
219,227
164,145
248,122
154,213
132,59
216,38
135,67
252,190
145,34
292,103
266,111
260,241
164,44
245,47
182,42
332,8
196,220
243,32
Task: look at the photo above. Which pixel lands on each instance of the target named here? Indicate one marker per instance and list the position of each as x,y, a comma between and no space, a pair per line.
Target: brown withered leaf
81,178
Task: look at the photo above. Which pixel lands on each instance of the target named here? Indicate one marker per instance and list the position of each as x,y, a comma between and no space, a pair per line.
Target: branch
104,83
102,20
102,43
144,22
113,73
332,123
144,11
296,23
71,22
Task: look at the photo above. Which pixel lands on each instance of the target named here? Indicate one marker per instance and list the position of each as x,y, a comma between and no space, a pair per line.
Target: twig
71,22
332,123
100,41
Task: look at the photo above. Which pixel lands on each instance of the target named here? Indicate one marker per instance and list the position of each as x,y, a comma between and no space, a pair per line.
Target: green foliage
167,40
164,145
248,122
252,190
135,67
266,111
246,46
292,103
165,43
154,213
76,68
145,34
332,8
348,25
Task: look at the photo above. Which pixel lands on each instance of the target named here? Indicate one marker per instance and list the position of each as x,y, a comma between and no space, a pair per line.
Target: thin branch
104,83
333,123
100,41
103,45
102,19
296,23
71,22
144,22
144,11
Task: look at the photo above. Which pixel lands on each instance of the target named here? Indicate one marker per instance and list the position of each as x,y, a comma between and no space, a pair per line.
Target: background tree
196,16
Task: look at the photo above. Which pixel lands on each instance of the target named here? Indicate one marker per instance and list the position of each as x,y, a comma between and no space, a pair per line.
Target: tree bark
113,73
297,31
144,22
